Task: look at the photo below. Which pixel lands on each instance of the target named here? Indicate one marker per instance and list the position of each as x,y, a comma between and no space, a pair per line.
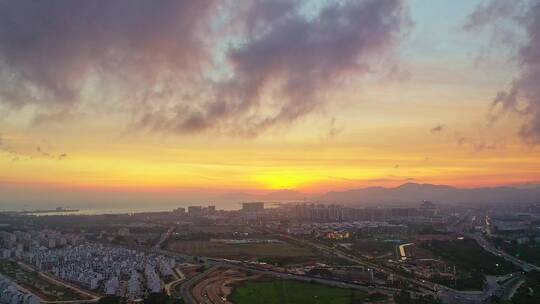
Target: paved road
180,277
217,263
513,287
448,295
165,236
500,286
489,247
427,287
186,287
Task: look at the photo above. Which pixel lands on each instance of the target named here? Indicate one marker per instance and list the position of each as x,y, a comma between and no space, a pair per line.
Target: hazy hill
412,193
406,194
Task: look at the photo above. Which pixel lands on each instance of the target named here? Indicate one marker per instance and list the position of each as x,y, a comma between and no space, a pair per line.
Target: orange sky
225,110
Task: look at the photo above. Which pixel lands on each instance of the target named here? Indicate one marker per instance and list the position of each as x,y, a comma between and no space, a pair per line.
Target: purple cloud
296,59
159,57
51,49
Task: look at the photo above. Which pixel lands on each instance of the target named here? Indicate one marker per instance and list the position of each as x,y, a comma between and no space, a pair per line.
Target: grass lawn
294,292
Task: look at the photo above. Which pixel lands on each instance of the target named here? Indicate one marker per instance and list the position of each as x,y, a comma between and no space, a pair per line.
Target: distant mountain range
406,194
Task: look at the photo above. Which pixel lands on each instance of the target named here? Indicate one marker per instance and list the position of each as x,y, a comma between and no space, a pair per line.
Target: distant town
424,253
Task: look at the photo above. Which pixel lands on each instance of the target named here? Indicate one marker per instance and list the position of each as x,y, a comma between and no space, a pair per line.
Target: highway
428,287
501,287
447,294
186,287
180,277
489,247
482,241
164,237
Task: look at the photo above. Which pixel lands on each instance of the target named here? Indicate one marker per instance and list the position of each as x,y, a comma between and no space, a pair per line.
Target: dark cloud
523,96
478,146
4,147
17,155
437,129
42,152
150,54
295,58
334,130
50,49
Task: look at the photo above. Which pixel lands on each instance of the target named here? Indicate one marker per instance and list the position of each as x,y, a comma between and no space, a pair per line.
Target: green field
239,251
293,292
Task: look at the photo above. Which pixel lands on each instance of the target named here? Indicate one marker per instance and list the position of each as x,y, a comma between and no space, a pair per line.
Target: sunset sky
171,100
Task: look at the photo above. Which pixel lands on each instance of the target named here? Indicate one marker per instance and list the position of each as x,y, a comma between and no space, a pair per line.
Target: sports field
294,292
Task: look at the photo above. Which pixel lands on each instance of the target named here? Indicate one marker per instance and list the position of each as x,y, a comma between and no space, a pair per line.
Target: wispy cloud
437,129
42,152
334,130
477,145
523,96
4,147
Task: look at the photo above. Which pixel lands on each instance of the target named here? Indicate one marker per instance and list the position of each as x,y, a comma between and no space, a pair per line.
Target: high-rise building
180,210
195,210
253,207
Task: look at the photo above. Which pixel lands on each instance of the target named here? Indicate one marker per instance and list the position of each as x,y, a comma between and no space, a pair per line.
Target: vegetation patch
468,255
294,292
239,251
529,291
471,260
528,252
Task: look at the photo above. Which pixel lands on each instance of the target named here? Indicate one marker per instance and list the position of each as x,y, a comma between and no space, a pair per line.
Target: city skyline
270,151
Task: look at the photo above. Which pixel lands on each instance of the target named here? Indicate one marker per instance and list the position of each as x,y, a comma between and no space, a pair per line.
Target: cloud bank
51,50
162,57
